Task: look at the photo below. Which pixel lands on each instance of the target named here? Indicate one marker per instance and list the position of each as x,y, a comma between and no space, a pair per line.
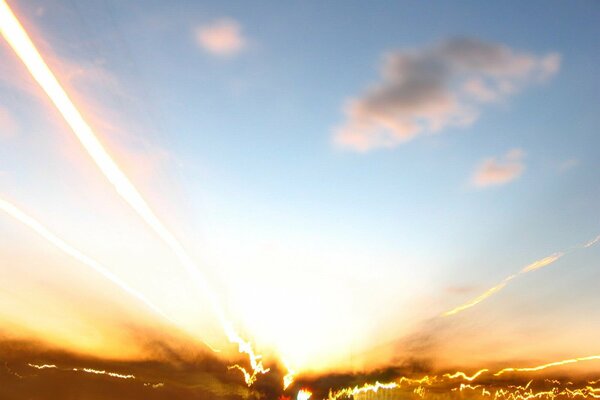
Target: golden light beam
549,365
480,298
17,38
86,370
11,210
541,263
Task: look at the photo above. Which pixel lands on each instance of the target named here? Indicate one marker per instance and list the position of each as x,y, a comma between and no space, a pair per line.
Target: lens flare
19,40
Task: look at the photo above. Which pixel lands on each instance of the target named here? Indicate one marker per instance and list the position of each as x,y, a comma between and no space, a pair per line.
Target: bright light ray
86,370
549,365
289,377
541,263
480,298
22,45
41,230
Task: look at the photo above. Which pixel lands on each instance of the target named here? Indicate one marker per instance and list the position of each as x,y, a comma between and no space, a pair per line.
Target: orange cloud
427,90
222,37
499,170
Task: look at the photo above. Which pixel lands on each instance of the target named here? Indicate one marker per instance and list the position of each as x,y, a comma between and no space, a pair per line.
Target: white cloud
223,37
427,90
499,170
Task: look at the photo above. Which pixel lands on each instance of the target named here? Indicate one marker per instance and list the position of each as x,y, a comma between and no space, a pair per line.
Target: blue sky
237,150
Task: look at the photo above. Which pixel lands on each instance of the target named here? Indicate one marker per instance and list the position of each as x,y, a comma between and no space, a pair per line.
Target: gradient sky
261,134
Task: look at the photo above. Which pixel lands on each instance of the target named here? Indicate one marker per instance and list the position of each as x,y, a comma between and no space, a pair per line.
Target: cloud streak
424,91
499,171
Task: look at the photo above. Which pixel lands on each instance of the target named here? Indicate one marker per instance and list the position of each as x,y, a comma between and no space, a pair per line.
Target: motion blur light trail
41,230
481,297
464,376
86,370
17,38
549,365
592,242
541,263
289,377
515,392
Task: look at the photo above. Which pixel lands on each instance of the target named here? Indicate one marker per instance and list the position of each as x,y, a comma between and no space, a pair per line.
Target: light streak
248,377
289,377
86,370
480,298
464,376
43,366
549,365
531,267
592,242
493,290
41,230
429,381
19,40
542,263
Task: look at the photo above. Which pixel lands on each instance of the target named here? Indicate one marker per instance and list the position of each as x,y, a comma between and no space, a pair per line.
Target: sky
341,174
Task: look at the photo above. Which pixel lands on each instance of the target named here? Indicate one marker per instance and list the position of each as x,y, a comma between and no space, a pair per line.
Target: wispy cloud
222,37
499,170
430,89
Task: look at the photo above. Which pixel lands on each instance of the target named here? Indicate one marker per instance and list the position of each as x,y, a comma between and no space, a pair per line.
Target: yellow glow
17,38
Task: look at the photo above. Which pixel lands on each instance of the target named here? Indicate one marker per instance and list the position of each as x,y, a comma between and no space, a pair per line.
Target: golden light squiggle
512,392
86,370
460,374
549,365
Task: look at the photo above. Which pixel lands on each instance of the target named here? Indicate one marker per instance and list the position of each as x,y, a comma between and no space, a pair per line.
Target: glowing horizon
392,211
